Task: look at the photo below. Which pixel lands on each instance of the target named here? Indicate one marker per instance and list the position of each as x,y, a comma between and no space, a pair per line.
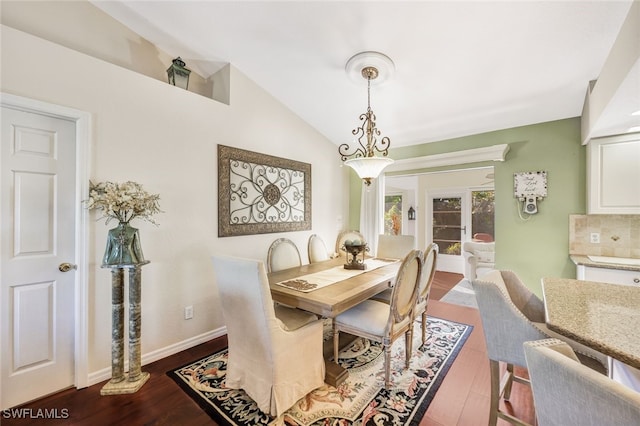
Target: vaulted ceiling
461,67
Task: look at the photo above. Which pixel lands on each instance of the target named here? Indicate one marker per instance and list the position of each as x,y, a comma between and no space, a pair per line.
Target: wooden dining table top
605,317
336,298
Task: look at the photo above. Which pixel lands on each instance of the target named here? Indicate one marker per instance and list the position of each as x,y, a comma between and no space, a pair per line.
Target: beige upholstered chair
382,322
429,259
283,254
479,258
275,354
568,393
316,249
511,315
395,246
344,236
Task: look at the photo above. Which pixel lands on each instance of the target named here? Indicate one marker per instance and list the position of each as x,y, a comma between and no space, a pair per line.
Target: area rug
461,294
360,400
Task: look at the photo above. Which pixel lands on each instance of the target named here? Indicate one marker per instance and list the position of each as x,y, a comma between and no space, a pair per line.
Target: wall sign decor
529,188
260,194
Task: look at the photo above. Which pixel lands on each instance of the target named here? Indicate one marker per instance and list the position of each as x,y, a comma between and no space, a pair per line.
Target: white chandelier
362,158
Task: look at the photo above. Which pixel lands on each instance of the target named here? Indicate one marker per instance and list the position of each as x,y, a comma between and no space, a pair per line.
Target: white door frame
83,148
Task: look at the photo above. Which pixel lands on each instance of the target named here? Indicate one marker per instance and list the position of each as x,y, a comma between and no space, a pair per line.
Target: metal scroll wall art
260,194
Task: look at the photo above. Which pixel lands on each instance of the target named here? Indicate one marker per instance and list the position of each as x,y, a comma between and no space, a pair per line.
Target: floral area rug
360,400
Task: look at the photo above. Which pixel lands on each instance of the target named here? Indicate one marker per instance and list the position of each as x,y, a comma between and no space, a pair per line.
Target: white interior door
448,228
38,214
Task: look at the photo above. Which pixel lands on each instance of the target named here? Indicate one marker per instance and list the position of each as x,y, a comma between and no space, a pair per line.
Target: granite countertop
605,317
581,259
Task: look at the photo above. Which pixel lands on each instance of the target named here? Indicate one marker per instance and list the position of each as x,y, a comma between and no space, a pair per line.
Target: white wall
166,138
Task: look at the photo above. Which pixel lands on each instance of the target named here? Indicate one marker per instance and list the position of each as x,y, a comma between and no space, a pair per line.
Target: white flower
122,201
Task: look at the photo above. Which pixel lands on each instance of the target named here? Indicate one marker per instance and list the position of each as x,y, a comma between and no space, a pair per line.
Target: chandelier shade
368,168
363,158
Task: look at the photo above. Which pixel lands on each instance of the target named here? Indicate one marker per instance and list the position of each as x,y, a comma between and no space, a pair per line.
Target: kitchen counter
584,260
605,317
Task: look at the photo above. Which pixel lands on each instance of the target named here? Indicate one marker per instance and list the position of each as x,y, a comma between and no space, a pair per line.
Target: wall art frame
261,194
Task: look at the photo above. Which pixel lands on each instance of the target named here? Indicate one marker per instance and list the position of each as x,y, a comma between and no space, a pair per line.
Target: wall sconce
412,213
178,74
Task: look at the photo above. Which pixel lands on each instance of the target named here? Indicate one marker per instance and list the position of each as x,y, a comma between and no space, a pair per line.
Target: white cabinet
605,275
613,175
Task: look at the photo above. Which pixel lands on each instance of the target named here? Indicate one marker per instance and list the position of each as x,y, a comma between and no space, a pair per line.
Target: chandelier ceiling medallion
371,66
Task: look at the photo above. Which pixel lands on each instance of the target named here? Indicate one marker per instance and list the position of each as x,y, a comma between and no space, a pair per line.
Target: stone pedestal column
136,378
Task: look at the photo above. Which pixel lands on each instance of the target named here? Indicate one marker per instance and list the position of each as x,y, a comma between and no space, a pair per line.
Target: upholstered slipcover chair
382,322
568,393
316,249
283,254
275,353
479,258
511,315
395,246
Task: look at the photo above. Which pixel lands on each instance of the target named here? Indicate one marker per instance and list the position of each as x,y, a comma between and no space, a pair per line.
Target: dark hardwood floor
463,397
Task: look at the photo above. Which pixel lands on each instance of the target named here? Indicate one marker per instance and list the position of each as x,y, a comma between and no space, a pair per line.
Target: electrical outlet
595,238
188,312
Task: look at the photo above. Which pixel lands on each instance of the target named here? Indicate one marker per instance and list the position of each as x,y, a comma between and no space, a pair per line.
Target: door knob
66,267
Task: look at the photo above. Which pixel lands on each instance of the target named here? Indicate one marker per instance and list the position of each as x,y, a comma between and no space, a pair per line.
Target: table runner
310,282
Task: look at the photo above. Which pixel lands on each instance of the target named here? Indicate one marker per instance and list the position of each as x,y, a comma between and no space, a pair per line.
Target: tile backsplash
619,235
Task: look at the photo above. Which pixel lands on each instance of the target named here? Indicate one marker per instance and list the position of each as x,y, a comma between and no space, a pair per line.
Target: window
393,214
482,215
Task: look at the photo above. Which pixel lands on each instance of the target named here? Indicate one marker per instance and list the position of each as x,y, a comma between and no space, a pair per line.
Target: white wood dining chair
429,262
429,259
316,249
382,322
283,254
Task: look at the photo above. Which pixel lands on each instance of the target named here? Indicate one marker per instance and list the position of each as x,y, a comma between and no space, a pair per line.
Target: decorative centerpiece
123,202
355,248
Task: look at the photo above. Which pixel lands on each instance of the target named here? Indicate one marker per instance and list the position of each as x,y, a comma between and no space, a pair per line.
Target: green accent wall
538,246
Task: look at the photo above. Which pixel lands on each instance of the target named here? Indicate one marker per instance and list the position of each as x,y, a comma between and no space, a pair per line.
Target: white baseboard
105,373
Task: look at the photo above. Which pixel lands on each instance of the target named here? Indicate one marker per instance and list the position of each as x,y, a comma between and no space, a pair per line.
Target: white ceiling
462,67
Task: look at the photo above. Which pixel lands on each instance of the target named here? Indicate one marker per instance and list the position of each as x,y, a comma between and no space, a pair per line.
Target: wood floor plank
461,400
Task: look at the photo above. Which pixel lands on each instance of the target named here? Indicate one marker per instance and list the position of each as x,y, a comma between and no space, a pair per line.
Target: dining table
341,290
602,316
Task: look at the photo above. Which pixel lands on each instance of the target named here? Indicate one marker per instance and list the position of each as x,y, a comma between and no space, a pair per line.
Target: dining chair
429,261
429,258
347,235
382,322
275,353
395,246
511,315
566,392
283,254
316,249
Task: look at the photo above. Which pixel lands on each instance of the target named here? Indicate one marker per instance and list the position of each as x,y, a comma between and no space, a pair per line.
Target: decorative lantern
412,213
178,74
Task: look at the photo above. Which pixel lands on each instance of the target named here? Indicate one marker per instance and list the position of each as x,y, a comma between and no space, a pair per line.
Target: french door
449,228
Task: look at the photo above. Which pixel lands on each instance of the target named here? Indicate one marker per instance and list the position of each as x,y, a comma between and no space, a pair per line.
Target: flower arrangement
122,201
